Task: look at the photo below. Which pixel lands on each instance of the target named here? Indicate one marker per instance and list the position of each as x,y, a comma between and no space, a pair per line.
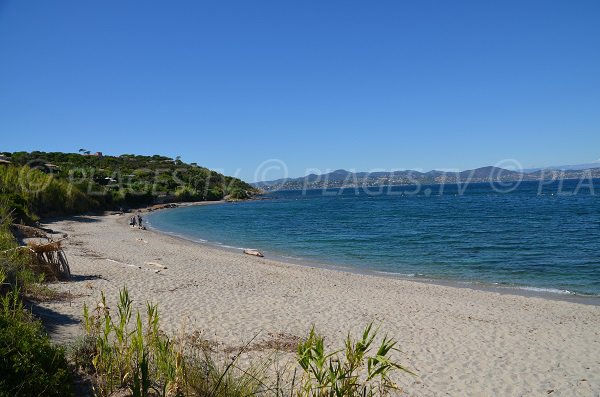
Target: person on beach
132,221
139,221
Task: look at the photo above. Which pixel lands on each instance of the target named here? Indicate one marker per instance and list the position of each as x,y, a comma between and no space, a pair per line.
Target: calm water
547,241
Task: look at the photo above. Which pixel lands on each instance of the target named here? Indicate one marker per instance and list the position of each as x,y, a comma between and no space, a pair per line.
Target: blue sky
317,84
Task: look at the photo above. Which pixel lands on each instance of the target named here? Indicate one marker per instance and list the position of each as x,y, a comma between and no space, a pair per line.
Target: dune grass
124,352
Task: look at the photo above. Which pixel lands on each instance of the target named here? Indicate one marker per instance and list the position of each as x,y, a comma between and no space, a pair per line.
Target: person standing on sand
139,221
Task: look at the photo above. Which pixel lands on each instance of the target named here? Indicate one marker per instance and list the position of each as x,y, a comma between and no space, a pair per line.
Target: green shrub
187,193
19,207
214,194
238,194
32,193
13,262
355,373
86,183
29,364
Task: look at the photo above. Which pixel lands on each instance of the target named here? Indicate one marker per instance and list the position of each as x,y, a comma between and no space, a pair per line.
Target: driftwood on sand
253,252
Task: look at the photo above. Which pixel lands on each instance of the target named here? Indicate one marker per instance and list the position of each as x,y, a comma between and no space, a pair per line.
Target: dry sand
460,341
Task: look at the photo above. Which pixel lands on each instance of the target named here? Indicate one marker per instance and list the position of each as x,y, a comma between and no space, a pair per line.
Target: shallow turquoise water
533,237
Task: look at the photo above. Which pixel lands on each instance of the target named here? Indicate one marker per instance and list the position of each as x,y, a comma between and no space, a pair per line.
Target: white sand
460,341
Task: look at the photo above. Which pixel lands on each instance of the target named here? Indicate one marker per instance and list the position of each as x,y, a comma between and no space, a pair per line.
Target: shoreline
460,341
525,290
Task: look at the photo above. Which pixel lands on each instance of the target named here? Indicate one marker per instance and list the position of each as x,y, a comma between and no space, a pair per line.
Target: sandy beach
460,341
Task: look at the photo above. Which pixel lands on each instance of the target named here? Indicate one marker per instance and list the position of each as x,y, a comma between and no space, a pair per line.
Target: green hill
54,183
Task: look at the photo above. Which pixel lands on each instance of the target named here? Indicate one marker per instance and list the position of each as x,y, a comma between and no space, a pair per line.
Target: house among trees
49,167
86,152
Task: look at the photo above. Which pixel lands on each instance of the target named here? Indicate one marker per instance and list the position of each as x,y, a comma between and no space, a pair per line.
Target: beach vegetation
30,365
124,352
15,263
31,193
238,194
41,184
187,193
354,371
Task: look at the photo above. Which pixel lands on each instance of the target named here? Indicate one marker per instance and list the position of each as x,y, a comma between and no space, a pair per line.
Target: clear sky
318,84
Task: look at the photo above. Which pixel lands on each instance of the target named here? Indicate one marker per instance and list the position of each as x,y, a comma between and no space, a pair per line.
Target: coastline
524,290
459,340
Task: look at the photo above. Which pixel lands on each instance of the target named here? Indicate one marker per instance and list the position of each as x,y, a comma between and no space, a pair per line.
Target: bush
29,364
19,207
238,194
214,194
32,193
187,193
13,262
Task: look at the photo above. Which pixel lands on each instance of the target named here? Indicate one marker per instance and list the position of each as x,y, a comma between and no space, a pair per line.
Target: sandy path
460,341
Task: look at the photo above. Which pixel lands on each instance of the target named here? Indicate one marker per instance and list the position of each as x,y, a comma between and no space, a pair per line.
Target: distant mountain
343,178
573,167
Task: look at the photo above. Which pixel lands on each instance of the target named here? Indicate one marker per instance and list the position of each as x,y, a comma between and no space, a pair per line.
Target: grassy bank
30,365
40,184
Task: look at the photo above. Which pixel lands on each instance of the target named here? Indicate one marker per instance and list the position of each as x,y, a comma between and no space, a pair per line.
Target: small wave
396,273
229,246
550,290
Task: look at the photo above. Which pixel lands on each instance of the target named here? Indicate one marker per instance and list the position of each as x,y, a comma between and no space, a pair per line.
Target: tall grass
128,353
29,364
356,372
14,262
31,193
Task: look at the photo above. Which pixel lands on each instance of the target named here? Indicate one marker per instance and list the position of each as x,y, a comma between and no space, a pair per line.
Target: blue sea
531,236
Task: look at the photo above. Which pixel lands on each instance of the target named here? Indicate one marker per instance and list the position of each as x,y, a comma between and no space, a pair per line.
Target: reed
356,372
131,354
128,353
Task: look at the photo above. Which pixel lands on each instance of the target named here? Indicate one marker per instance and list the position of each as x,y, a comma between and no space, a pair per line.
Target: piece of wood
253,252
